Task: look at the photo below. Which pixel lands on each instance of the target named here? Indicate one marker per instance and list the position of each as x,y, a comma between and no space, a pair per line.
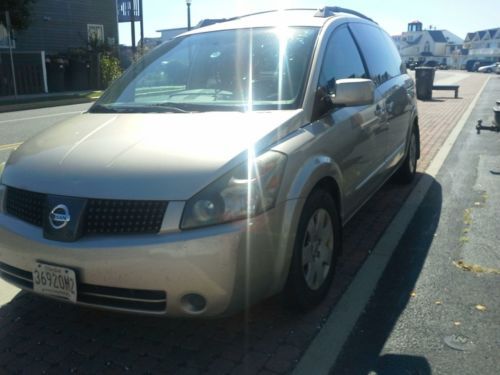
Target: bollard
496,111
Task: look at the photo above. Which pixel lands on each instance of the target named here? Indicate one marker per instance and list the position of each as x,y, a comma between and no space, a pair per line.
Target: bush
110,69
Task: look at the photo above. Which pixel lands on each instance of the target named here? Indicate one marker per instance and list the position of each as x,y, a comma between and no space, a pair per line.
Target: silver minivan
217,171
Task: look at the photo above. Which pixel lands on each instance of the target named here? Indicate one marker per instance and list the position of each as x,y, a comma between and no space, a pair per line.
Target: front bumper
229,266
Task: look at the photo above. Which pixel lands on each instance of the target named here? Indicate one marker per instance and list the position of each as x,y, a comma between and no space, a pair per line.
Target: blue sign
125,7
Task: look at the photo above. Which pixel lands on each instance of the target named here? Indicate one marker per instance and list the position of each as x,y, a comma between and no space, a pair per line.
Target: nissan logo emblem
59,216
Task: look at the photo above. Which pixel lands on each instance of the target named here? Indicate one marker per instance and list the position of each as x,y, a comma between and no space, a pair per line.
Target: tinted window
382,57
342,59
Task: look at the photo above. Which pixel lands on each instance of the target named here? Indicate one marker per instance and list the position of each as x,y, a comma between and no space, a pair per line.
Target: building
53,53
483,45
59,25
167,34
149,43
440,46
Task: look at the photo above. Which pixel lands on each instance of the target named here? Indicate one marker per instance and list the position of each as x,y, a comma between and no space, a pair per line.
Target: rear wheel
317,245
408,169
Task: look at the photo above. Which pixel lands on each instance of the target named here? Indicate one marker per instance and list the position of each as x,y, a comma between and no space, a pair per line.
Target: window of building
4,33
427,47
95,33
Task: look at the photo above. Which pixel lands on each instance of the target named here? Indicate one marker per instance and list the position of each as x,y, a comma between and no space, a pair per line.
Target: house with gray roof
417,44
483,44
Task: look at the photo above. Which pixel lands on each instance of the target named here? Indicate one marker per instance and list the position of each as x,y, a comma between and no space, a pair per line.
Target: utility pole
188,4
142,26
132,24
9,35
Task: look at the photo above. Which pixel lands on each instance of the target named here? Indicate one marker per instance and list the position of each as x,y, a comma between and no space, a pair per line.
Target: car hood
142,156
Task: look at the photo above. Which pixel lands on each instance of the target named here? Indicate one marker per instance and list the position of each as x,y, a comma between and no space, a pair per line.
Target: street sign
125,10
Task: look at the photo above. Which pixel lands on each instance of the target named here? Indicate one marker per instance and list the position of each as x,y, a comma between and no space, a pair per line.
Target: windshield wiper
167,107
102,108
136,108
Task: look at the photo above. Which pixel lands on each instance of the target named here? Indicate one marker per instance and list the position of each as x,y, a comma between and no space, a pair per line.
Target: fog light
193,303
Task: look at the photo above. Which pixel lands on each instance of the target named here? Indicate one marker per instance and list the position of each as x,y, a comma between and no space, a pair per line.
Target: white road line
41,116
322,353
7,292
10,146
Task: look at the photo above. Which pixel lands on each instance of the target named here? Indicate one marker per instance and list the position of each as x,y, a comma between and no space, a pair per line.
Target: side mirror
352,92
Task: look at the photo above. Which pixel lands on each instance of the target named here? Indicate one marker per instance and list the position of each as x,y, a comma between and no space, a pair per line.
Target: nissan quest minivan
217,171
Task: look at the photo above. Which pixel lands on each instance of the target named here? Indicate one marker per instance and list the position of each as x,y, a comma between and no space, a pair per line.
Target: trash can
55,75
425,80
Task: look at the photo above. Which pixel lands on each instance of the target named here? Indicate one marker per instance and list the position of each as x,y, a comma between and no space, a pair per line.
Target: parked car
479,64
217,171
474,65
497,69
489,68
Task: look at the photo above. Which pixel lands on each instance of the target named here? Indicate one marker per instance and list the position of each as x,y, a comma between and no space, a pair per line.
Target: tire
407,170
317,246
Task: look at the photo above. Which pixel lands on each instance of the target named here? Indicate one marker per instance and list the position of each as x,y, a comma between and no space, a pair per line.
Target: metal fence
30,73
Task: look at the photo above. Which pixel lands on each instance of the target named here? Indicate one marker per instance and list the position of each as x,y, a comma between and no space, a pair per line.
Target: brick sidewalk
38,335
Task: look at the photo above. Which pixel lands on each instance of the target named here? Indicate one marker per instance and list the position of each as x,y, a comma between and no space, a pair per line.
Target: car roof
276,18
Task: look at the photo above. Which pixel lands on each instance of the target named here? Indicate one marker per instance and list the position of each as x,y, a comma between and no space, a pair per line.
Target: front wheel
317,246
408,169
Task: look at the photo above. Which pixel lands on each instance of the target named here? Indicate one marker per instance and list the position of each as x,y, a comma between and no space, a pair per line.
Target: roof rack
268,11
330,11
323,12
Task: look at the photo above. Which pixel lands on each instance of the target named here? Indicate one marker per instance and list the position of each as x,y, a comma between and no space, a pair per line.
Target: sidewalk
436,307
265,340
23,102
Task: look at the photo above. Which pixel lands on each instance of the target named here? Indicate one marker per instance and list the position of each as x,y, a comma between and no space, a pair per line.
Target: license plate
55,281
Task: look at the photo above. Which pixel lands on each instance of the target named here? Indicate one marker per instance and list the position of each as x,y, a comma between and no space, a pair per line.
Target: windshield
244,69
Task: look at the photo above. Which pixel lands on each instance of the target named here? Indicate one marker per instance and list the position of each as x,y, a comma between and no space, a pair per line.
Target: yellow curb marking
12,146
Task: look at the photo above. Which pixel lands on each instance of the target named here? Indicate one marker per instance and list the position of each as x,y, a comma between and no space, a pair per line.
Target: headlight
246,191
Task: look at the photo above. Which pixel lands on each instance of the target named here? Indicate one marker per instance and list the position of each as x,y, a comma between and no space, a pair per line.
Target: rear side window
381,55
342,59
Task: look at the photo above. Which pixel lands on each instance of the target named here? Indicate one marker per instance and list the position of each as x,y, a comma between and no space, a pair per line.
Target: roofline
173,29
324,12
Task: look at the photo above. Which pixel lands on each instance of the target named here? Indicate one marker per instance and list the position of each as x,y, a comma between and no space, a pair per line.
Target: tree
19,11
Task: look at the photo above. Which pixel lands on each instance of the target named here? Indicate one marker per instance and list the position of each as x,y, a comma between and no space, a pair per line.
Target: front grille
122,216
102,216
25,205
140,300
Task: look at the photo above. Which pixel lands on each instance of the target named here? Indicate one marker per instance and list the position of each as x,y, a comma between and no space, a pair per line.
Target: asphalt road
16,127
437,307
40,335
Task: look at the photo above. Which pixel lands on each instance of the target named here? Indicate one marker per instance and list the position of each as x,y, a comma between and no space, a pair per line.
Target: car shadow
47,335
363,352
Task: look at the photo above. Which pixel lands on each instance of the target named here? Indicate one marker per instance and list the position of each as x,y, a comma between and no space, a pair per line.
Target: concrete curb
43,104
324,350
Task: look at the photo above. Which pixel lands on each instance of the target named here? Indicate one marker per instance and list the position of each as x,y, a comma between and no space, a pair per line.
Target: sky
457,16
